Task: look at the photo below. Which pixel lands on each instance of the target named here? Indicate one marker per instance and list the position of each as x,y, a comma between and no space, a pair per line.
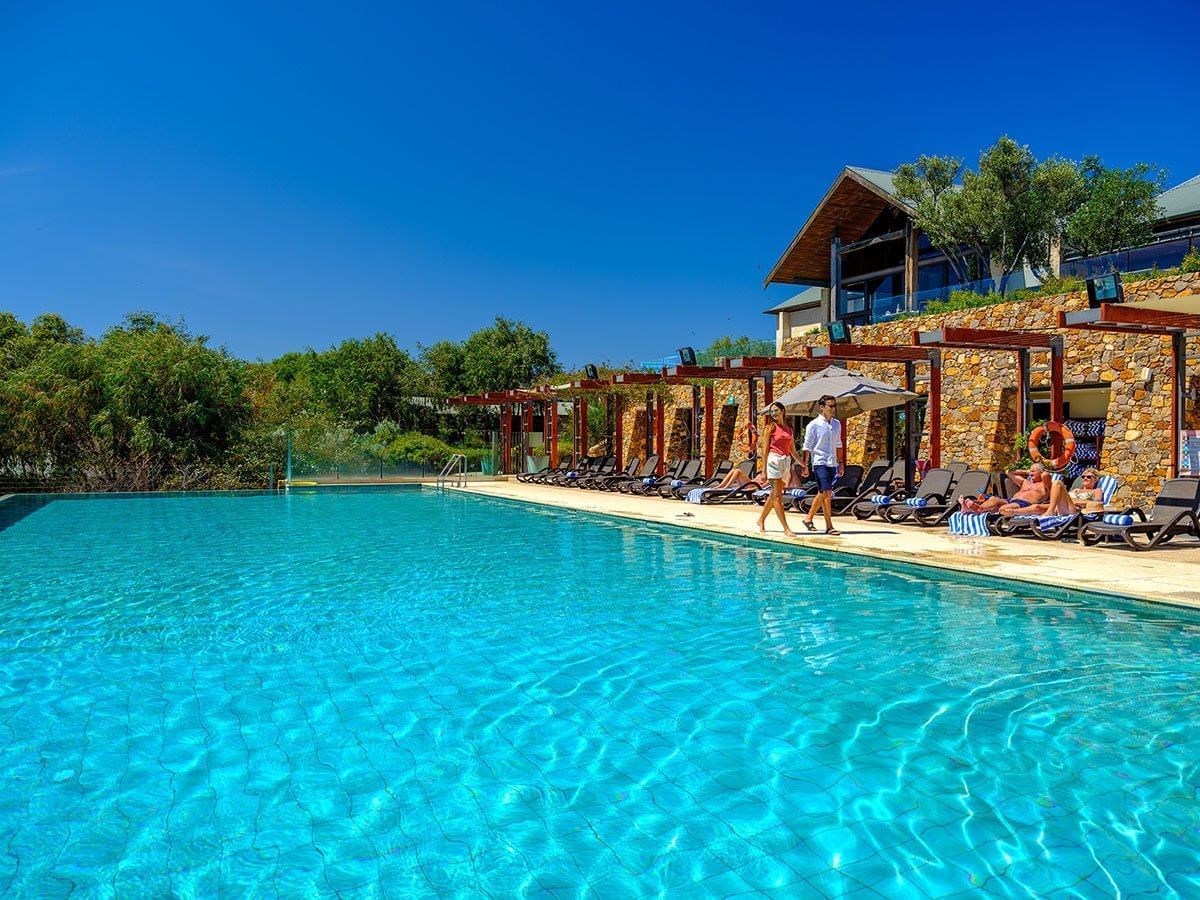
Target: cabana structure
1019,342
909,357
1139,319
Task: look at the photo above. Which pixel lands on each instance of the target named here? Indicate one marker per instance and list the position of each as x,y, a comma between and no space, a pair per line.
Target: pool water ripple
402,693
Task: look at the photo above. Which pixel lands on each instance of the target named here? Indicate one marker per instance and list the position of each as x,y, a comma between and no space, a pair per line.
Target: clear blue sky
289,175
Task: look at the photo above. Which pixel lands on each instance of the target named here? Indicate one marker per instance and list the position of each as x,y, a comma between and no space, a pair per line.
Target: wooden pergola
1019,342
909,356
1135,319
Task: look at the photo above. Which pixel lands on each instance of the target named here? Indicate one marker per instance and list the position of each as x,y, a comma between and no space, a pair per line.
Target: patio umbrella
855,393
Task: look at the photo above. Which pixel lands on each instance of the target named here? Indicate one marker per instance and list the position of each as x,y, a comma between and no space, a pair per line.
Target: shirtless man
1030,498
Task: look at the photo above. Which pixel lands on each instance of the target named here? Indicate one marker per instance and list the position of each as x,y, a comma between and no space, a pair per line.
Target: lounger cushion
676,482
1117,519
649,480
969,524
918,502
572,474
881,499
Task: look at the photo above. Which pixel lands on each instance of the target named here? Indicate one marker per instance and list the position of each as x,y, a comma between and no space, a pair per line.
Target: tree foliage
149,405
1011,208
1118,209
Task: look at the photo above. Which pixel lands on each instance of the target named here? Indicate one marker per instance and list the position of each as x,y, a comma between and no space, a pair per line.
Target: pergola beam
773,364
1132,319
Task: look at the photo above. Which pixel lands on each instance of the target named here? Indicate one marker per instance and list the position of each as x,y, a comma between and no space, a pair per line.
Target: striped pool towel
969,524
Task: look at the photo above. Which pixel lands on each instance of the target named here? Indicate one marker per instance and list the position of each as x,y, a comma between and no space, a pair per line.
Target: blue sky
290,175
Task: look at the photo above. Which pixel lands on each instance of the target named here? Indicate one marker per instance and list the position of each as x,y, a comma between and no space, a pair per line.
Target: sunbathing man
1087,498
1030,499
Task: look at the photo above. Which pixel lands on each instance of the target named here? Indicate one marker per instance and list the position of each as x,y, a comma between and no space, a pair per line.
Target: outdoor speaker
839,332
1105,289
687,356
590,373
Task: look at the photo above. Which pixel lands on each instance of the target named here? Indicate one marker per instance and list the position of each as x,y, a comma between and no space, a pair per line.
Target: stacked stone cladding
979,387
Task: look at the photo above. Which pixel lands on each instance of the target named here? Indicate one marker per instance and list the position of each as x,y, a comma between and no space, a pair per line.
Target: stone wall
979,387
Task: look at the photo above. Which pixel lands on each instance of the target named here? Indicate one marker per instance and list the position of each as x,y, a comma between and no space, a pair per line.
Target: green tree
362,382
929,186
730,347
1118,209
506,355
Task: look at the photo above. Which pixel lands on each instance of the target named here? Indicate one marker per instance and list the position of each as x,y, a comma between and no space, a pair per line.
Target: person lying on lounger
1086,498
1030,499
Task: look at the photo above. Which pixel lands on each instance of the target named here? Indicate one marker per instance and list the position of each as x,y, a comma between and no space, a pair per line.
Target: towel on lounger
969,524
1117,519
918,502
881,499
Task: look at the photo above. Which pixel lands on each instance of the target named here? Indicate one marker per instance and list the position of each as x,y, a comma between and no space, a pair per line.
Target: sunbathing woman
1088,498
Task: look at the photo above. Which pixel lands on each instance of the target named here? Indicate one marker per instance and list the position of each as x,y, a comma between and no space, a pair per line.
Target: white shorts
779,465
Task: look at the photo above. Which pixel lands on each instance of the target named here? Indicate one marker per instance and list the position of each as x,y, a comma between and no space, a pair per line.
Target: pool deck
1170,574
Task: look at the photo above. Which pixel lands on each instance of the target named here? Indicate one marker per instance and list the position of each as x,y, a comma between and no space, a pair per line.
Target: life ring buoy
746,438
1058,433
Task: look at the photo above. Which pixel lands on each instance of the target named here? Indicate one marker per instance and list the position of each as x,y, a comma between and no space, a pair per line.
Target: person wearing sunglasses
778,448
1088,497
823,448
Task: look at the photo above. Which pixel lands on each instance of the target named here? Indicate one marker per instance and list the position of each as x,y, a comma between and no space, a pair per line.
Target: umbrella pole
910,383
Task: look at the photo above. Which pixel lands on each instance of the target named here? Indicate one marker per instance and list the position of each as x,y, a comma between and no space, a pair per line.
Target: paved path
1170,574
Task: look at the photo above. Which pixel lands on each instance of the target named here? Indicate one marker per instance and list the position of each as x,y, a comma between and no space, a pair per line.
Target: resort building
861,249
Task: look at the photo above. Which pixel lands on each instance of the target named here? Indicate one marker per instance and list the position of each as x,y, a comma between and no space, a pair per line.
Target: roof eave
846,172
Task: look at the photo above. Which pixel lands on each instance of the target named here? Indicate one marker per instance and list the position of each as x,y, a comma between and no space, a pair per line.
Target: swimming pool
401,692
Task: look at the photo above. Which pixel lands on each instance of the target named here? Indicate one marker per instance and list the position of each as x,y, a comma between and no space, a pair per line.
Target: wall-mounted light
590,373
687,356
1147,377
1105,289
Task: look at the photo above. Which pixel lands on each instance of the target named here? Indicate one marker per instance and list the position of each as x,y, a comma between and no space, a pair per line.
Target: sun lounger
606,466
879,475
593,482
585,466
973,481
723,468
699,494
1052,528
613,482
934,489
689,474
845,485
672,469
1174,514
651,485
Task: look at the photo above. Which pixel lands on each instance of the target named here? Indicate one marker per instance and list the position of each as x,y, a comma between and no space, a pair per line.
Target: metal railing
454,472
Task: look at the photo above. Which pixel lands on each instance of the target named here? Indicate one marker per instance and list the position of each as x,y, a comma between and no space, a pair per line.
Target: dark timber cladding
848,209
1131,319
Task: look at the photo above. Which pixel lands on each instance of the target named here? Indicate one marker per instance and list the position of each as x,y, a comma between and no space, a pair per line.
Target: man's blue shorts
825,476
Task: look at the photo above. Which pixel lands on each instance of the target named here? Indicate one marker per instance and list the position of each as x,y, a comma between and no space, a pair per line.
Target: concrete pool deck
1170,574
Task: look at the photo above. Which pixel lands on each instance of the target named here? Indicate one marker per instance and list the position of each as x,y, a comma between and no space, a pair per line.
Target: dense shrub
1191,262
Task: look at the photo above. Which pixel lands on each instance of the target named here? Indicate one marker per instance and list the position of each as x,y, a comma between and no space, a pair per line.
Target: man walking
824,456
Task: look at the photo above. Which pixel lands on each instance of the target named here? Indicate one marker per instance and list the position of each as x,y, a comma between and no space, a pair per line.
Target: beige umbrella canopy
855,393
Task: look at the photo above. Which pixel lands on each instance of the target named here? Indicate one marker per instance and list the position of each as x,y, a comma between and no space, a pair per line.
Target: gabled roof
851,205
1181,200
807,298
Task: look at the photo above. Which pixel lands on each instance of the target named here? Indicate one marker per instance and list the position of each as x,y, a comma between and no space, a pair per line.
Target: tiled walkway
1170,574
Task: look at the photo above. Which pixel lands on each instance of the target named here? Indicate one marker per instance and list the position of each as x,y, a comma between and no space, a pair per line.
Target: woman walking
778,447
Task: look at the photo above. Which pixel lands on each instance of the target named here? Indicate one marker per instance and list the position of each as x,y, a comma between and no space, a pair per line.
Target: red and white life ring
1059,435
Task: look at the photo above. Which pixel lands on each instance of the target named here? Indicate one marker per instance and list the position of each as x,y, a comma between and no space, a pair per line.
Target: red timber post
583,425
768,387
505,438
1056,379
1178,396
619,431
552,410
659,433
935,408
708,431
574,432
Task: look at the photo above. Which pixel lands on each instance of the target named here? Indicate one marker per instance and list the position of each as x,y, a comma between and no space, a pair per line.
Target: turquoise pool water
404,693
